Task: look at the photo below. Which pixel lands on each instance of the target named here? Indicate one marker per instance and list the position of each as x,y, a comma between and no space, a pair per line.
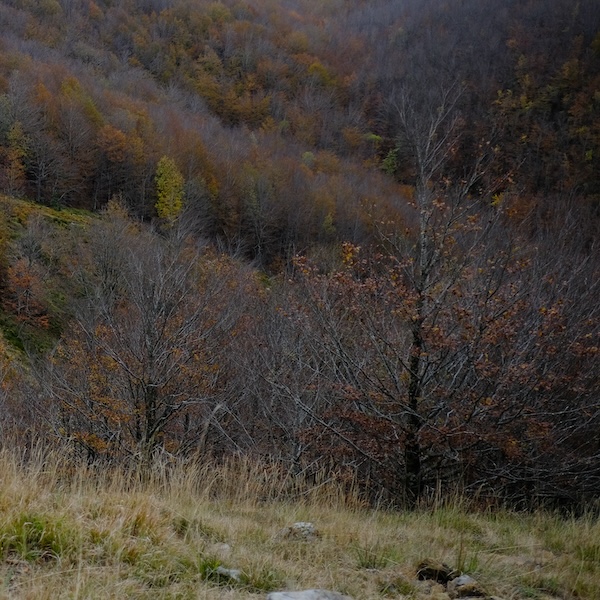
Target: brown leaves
24,294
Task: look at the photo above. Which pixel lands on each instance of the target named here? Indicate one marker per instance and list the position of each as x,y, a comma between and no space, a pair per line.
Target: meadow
97,533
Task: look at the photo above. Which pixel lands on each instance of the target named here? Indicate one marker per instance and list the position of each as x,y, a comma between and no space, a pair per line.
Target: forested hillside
353,237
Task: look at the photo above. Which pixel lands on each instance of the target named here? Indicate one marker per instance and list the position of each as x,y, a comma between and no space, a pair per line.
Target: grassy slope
83,535
15,214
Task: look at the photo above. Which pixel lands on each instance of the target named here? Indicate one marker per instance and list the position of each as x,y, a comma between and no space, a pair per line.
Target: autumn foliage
358,238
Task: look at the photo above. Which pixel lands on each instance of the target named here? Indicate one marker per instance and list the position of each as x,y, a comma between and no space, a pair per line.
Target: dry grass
87,534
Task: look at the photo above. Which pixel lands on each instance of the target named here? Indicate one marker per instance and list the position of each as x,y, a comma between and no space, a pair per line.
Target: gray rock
233,574
301,531
307,595
460,581
465,586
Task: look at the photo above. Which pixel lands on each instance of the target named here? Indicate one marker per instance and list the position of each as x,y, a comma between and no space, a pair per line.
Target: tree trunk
412,448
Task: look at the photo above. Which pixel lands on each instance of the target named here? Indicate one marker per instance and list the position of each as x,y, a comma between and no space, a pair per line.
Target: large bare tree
139,368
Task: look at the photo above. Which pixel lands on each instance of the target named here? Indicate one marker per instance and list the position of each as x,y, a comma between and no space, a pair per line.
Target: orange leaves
91,441
24,294
144,355
454,365
94,11
349,253
42,95
114,143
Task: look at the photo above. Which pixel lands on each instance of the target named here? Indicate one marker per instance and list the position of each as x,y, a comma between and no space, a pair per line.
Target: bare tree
462,384
436,355
138,369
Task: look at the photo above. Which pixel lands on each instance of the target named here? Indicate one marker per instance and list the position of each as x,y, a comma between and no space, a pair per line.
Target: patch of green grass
189,528
526,591
256,580
585,588
555,541
462,522
11,331
261,579
181,526
160,569
540,584
37,537
208,567
467,559
374,556
22,336
589,553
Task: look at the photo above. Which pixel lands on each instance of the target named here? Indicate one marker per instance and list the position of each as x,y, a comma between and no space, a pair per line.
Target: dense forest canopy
356,236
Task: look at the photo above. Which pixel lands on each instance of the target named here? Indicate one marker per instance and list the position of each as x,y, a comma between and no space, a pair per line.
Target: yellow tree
169,189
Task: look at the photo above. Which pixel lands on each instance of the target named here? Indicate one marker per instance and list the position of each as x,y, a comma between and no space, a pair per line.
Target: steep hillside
281,117
342,236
